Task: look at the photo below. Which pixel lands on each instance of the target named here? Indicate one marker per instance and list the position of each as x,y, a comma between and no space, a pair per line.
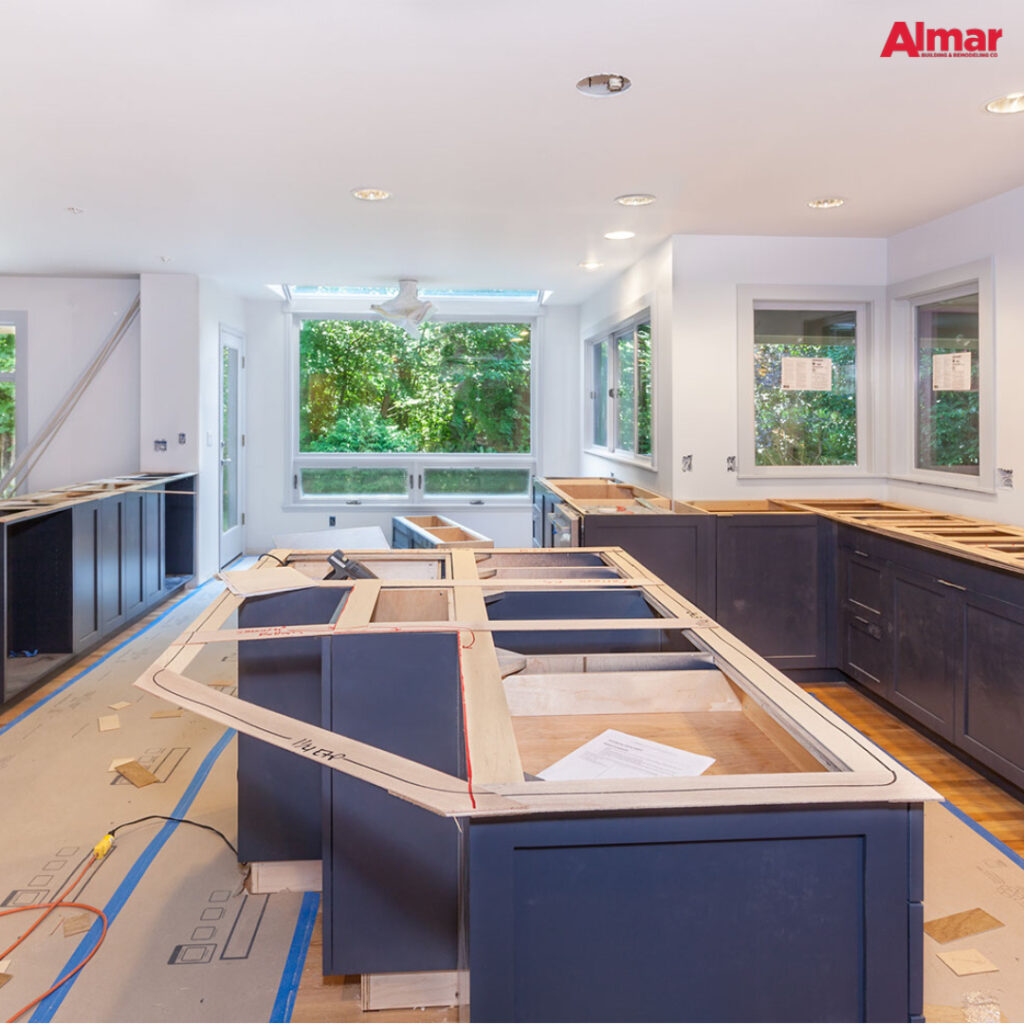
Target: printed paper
951,372
617,755
803,374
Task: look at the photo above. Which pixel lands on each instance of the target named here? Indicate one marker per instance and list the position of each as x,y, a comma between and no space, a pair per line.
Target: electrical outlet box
1004,478
687,462
181,439
160,446
332,520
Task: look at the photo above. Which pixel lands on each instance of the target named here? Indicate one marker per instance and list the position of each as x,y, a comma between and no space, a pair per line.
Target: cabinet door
85,574
153,547
990,720
775,578
134,582
111,563
927,647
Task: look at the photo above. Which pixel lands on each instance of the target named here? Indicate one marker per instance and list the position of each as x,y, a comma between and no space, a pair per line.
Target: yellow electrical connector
103,847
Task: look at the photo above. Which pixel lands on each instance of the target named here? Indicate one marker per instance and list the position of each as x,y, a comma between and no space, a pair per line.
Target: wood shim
76,924
118,761
120,705
959,926
136,774
406,990
4,978
167,713
967,961
107,723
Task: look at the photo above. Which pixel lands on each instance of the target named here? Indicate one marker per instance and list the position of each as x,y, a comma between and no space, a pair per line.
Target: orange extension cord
47,908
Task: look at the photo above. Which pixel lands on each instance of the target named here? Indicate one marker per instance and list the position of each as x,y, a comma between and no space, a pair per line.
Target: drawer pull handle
863,554
955,586
864,622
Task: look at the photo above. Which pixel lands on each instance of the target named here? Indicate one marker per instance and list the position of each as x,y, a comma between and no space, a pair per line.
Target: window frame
868,302
18,319
904,299
610,336
415,464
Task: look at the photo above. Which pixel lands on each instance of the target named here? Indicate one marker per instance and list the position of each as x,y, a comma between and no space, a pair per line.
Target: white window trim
870,305
413,463
904,297
18,319
607,331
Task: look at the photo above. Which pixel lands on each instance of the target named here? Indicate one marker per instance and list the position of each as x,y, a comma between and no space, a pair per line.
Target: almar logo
941,42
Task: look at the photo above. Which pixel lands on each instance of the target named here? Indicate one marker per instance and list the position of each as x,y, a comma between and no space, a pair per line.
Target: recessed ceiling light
371,195
636,199
827,203
591,264
74,210
166,259
603,85
1011,103
619,236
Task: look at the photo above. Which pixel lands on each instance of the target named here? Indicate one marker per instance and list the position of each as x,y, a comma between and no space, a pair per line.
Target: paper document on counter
617,755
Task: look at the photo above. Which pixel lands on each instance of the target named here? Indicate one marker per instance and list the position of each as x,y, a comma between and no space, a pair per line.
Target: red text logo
941,42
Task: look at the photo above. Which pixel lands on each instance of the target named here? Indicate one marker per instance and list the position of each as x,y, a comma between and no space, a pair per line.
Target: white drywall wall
68,321
987,230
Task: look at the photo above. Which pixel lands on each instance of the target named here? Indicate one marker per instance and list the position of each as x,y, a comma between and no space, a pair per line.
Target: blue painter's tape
60,689
292,973
49,1006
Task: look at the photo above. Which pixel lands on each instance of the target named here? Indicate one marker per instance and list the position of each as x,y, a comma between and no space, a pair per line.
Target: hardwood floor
986,803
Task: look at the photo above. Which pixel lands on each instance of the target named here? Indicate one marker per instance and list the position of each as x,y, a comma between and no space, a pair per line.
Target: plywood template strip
285,876
358,607
490,738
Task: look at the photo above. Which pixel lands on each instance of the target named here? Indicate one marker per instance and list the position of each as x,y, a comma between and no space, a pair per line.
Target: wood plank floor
986,803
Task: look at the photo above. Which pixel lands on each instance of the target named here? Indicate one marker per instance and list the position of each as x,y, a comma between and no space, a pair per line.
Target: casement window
382,417
943,373
804,381
620,389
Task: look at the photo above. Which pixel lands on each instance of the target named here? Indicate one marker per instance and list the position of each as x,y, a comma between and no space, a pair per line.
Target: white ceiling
227,134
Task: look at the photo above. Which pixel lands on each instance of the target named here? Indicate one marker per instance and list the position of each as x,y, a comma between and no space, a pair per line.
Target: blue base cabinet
795,915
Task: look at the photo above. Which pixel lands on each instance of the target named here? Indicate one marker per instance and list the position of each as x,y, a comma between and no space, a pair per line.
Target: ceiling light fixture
591,264
636,199
74,210
827,203
1011,103
166,259
603,85
371,195
619,236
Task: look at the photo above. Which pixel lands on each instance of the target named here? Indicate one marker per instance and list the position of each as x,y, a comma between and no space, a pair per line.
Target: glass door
232,444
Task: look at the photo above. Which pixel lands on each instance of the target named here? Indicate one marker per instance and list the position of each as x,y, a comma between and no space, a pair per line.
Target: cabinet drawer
861,581
865,652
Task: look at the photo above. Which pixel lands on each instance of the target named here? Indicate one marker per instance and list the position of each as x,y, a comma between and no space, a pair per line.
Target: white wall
647,283
69,319
987,230
707,270
557,429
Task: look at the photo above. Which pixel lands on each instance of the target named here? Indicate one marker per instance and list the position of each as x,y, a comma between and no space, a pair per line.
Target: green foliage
804,428
948,434
367,386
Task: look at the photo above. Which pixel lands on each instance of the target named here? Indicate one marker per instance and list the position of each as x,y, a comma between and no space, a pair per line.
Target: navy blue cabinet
776,586
815,912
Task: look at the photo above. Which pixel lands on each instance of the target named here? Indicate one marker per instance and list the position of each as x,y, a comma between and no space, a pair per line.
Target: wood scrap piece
118,761
76,924
4,978
107,723
136,774
120,705
959,926
967,961
406,990
168,713
5,966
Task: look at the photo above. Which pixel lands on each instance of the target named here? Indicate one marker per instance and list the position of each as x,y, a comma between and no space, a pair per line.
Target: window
947,412
805,387
8,433
943,378
804,380
621,391
383,416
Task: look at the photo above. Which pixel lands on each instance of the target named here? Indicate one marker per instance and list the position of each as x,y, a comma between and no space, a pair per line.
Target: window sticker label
951,372
802,374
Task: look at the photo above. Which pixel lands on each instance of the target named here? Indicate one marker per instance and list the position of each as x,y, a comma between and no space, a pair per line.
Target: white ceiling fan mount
406,309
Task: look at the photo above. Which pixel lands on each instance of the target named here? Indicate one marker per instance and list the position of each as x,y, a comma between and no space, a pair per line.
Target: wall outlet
1004,478
730,464
332,520
181,439
160,446
687,461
